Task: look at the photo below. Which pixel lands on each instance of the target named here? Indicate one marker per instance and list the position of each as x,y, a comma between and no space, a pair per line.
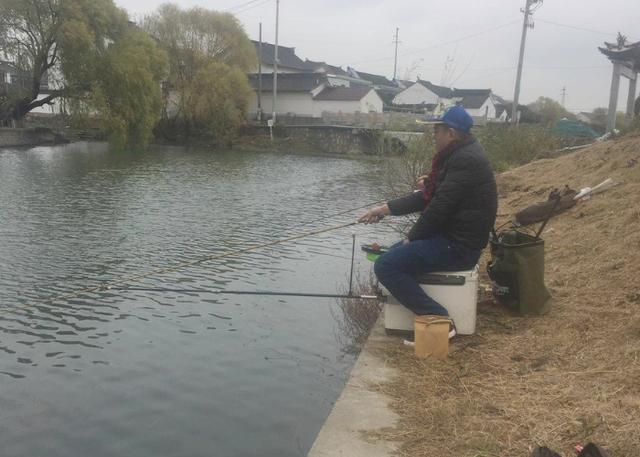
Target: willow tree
207,90
93,57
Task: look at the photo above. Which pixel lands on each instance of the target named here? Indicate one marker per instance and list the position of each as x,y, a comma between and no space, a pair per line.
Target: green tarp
566,128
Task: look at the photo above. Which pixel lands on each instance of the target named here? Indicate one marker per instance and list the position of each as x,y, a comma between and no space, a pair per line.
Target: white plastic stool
457,291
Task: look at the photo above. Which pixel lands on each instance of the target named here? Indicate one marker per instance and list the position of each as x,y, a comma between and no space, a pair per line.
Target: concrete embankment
360,408
329,139
10,137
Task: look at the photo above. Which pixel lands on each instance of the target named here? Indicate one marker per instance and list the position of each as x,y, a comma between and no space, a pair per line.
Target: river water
166,374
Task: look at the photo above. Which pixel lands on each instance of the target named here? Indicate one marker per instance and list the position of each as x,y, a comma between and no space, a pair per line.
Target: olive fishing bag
517,271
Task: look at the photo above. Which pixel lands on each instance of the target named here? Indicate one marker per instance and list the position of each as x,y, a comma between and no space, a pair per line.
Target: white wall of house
372,103
298,103
487,109
416,94
303,104
369,103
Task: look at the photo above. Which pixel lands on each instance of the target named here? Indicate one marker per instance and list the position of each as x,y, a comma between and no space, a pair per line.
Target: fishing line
136,278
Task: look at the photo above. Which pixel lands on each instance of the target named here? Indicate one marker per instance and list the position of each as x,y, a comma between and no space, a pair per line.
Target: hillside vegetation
568,377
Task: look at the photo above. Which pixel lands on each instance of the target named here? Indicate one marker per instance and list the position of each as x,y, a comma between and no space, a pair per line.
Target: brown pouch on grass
432,336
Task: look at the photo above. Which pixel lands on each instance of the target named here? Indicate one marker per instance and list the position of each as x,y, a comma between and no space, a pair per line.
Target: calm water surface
142,373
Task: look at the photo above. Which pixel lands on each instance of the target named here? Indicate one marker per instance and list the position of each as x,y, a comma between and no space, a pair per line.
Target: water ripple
151,369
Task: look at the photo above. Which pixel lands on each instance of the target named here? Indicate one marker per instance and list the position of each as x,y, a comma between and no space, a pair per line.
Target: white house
354,99
477,102
424,94
311,94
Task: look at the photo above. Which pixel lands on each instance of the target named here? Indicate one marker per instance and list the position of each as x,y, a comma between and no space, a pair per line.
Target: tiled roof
472,98
377,80
440,91
353,93
286,56
289,82
331,69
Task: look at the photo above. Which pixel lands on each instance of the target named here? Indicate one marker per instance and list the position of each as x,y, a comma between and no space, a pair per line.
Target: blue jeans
398,269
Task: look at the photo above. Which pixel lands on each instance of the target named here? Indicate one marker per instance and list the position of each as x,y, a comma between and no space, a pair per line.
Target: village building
288,61
307,88
312,94
477,102
386,89
424,96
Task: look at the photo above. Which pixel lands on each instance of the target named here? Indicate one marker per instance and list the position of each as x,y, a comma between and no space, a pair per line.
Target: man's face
443,135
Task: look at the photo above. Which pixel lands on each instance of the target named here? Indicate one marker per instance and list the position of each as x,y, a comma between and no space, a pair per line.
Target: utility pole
395,64
564,96
260,75
525,26
275,66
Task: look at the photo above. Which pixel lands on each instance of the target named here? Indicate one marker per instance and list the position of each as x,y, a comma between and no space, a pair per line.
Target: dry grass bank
569,377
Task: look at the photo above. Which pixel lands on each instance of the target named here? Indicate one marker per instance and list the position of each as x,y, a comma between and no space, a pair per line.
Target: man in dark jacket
458,204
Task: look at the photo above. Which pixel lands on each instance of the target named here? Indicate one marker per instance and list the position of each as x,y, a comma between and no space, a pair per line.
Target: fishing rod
243,292
346,211
349,295
182,265
94,289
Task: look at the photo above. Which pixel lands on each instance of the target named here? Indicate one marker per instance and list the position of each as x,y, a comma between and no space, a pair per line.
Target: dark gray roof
353,93
325,67
440,91
472,98
405,82
289,82
377,80
286,56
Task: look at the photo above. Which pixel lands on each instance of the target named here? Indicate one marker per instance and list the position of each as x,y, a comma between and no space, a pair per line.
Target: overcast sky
478,38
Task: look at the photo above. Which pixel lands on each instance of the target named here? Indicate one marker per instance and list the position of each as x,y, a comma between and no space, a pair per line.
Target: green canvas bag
517,271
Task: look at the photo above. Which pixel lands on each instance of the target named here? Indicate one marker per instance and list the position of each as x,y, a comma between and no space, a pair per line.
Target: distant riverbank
314,139
16,137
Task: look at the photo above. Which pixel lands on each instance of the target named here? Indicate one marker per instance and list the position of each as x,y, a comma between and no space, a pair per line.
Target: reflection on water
135,373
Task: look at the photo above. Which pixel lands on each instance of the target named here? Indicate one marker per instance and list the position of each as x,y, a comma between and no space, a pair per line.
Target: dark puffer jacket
465,202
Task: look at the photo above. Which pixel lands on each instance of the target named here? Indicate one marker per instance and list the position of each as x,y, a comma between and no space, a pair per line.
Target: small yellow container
432,336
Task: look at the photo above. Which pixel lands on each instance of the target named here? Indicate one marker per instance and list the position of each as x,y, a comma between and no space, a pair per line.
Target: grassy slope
568,377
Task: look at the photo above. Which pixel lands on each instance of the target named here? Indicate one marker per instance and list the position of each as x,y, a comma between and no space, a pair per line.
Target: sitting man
458,204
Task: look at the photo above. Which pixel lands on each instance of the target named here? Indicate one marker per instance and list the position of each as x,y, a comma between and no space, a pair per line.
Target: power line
584,29
241,5
253,6
445,43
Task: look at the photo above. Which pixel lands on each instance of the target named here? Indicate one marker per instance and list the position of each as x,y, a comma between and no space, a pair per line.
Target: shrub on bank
508,146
